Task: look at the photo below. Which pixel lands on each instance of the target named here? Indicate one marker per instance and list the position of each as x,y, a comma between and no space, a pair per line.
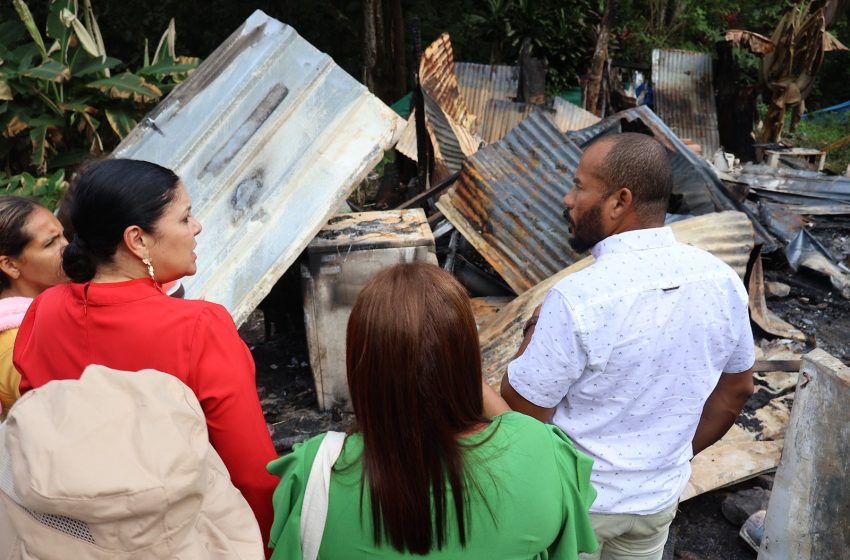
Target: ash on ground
285,383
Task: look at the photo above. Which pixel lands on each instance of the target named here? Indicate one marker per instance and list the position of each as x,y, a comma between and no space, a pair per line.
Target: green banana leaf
126,85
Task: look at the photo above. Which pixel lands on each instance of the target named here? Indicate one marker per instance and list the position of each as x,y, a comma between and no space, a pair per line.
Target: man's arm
513,399
723,406
520,404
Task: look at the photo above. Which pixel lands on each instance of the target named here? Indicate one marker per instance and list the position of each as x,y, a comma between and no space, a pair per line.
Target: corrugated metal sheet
452,142
269,136
642,119
407,143
450,124
727,235
437,76
808,187
569,117
684,96
507,202
479,83
501,116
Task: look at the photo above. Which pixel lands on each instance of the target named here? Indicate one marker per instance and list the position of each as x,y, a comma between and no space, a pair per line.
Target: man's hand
723,406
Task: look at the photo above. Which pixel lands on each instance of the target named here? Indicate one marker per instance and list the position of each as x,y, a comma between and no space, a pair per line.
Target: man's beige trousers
624,536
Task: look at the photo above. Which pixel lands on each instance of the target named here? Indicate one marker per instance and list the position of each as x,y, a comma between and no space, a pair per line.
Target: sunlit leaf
165,48
5,92
56,27
83,36
26,17
27,184
93,27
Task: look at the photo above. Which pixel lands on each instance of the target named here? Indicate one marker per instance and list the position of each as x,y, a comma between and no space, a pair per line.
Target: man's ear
135,240
621,202
9,267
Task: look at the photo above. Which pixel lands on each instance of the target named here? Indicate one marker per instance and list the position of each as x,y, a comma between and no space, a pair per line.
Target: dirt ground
700,532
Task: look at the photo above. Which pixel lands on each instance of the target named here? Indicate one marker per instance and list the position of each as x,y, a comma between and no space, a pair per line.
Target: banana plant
63,99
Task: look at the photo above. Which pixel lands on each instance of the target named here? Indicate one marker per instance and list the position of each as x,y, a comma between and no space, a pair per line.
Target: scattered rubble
738,507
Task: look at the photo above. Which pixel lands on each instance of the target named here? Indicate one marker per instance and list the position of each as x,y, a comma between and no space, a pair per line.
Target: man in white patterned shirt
644,358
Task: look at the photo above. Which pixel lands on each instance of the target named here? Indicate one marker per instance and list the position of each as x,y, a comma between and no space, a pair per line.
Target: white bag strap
314,510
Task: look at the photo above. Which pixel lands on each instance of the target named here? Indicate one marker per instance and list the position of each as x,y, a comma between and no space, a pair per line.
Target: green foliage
643,25
822,130
60,102
560,32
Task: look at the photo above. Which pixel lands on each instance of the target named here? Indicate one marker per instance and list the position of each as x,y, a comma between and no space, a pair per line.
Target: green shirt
536,484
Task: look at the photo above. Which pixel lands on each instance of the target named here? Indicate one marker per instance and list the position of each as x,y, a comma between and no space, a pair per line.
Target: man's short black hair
638,162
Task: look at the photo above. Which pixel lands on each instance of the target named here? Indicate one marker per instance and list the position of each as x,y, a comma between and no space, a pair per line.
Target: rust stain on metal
437,76
508,202
684,96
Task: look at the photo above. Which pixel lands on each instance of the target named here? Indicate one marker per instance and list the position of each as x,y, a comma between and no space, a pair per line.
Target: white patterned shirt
627,351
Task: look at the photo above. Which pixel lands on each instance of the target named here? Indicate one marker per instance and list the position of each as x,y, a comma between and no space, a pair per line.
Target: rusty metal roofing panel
727,235
479,83
438,80
508,202
501,116
451,127
684,96
270,137
452,142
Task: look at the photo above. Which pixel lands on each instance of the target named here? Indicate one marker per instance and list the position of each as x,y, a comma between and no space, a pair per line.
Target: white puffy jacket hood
117,465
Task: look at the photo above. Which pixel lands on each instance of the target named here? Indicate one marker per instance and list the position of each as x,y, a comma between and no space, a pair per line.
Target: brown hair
14,213
414,372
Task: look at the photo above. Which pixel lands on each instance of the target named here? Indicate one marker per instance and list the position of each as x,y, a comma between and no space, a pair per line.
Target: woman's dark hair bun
78,263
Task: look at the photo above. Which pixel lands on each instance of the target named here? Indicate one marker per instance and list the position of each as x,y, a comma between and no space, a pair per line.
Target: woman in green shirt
424,472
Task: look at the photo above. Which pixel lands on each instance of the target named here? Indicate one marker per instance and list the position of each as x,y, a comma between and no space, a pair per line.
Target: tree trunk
600,55
383,49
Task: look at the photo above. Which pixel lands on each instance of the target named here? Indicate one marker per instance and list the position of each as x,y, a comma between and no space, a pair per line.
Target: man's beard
588,232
